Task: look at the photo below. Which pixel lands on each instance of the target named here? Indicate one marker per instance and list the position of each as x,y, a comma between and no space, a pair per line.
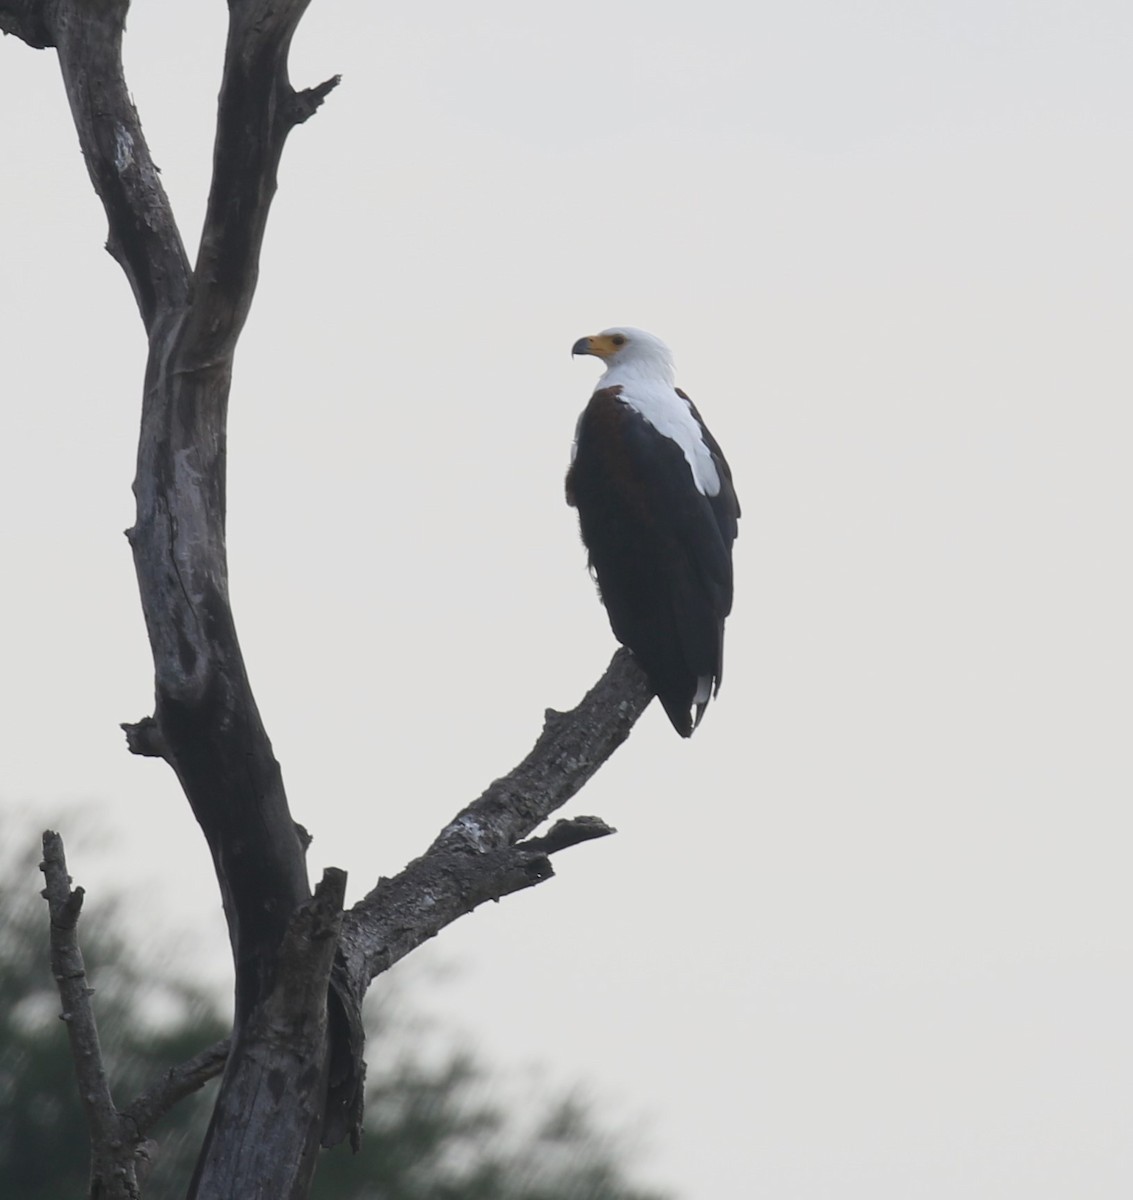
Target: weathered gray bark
479,855
116,1148
206,723
293,1069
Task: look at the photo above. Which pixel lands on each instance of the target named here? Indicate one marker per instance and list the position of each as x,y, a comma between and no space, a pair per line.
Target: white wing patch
671,416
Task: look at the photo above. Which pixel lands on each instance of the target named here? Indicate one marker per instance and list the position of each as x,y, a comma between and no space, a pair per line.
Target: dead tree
293,1069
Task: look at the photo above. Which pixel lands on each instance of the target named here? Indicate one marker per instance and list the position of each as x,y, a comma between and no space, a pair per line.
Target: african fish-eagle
658,515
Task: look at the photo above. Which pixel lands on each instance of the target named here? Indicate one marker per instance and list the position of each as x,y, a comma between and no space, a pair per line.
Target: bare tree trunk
205,722
294,1071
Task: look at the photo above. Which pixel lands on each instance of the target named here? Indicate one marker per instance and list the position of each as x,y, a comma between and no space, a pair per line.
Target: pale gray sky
868,933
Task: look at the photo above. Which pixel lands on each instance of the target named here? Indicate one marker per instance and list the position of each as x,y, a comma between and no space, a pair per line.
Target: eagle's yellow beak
601,345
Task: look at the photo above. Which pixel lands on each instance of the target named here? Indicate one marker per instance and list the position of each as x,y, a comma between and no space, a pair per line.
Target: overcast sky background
868,933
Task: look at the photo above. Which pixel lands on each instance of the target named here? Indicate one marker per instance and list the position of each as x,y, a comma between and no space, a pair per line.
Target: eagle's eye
618,339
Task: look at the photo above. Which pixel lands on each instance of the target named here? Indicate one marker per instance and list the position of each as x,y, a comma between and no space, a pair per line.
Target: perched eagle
658,515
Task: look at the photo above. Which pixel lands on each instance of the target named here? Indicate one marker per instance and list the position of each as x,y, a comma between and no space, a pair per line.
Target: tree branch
258,109
566,833
144,738
569,751
206,722
476,856
174,1085
28,20
143,235
114,1151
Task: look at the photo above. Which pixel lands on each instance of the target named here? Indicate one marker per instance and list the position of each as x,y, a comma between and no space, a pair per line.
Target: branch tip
552,719
306,103
569,832
144,738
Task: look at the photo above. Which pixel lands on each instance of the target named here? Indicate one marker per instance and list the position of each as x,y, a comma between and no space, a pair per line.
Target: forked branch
479,855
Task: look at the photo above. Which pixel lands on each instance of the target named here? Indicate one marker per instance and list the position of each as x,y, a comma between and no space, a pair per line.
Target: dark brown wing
661,550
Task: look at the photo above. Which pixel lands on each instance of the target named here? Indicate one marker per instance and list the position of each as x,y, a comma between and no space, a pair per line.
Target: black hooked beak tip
582,346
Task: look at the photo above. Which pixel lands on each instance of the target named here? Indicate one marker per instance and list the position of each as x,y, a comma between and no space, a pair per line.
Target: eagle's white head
628,354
